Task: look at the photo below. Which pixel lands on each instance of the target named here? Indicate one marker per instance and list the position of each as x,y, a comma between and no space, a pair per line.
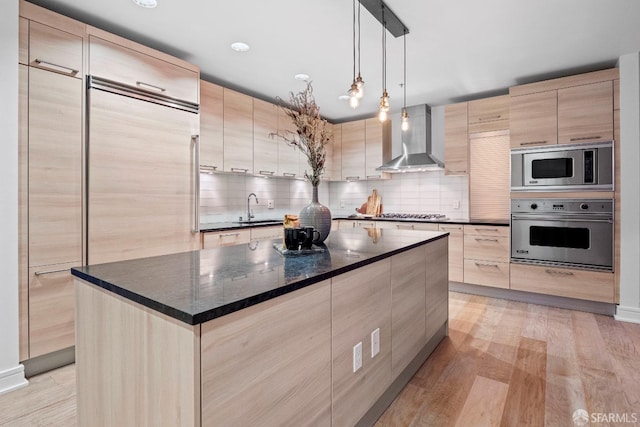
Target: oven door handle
606,219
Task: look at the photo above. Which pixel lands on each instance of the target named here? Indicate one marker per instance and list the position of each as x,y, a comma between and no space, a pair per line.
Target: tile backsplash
223,197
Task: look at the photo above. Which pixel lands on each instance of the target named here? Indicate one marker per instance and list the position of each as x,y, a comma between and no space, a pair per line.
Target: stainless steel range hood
415,143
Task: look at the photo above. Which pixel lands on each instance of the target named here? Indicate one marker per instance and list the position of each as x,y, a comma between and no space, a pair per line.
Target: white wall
629,308
11,372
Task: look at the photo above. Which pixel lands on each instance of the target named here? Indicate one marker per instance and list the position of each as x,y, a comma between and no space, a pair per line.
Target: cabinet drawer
564,282
486,248
456,251
486,273
260,233
225,238
486,230
121,64
51,309
55,50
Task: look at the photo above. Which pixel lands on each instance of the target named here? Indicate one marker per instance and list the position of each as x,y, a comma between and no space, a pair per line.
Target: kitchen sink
259,221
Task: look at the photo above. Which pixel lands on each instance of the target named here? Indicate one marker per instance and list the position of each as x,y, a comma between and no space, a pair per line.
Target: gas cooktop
419,216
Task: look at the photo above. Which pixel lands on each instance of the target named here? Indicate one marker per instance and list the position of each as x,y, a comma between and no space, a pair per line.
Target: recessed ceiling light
344,97
240,46
150,4
302,77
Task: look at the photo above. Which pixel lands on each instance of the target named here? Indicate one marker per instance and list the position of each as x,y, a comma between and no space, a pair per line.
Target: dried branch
311,135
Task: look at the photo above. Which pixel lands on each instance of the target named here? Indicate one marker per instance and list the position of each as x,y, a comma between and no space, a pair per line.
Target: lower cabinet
264,233
401,225
216,239
51,309
456,251
564,282
486,255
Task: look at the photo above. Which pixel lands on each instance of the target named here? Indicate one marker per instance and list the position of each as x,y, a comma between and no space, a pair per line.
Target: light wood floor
504,364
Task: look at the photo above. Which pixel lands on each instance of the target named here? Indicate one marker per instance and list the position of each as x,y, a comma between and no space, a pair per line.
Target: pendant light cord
354,40
358,40
384,52
404,86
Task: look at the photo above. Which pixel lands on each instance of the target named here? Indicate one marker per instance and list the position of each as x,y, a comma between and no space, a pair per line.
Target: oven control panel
562,205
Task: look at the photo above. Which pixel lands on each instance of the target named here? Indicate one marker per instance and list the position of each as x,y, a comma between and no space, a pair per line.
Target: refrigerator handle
196,176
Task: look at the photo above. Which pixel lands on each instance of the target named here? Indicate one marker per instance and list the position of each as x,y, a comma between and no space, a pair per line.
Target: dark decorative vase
317,216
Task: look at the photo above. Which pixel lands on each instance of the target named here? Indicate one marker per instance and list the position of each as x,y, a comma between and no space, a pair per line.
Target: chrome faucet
249,213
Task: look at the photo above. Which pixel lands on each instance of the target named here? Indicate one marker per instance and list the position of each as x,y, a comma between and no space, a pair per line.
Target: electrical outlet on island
357,356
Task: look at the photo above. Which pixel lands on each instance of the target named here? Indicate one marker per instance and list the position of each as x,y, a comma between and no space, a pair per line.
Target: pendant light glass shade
354,99
405,120
360,86
383,109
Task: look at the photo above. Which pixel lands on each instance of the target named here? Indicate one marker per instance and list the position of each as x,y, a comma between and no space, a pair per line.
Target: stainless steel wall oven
564,232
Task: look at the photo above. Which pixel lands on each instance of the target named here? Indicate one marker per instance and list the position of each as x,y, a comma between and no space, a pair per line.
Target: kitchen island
243,335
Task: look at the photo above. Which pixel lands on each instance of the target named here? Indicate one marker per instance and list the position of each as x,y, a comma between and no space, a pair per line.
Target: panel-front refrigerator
142,174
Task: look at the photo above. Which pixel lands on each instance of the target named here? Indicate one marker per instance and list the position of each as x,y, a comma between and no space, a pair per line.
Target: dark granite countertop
198,286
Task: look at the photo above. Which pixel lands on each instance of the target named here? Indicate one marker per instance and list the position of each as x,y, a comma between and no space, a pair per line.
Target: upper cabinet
238,132
488,114
23,41
353,150
585,113
456,139
55,50
289,163
328,160
211,126
265,147
377,146
123,61
568,110
336,158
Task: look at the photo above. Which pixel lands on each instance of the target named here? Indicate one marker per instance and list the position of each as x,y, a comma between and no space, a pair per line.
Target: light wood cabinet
238,132
328,160
336,157
23,208
489,177
534,121
137,66
361,303
456,141
23,41
408,307
216,239
488,114
285,383
55,50
262,233
486,255
289,162
437,293
564,282
51,309
585,113
406,225
353,150
211,126
265,147
456,251
55,168
377,147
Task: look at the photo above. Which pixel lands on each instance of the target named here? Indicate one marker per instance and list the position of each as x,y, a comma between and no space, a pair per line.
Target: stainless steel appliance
565,232
561,168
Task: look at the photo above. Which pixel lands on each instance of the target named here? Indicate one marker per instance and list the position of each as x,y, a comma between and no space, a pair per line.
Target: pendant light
405,117
384,99
354,99
359,81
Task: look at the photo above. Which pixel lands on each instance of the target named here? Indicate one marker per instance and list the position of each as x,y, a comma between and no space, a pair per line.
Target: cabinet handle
289,174
405,227
243,170
353,178
584,138
208,168
452,228
496,117
228,235
561,273
481,264
195,139
534,142
56,67
143,85
486,229
487,240
373,176
41,273
269,173
244,276
455,171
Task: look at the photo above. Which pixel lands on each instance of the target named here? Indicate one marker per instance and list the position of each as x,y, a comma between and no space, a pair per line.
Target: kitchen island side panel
134,366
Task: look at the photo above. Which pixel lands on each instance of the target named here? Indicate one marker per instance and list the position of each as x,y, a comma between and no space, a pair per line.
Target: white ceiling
456,50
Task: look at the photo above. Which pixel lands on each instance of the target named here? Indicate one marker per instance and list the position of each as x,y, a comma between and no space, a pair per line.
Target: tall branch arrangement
311,135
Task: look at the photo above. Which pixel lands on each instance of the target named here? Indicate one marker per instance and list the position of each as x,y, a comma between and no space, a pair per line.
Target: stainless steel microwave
581,167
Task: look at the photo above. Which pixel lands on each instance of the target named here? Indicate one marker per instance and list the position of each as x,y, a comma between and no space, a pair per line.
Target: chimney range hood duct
415,143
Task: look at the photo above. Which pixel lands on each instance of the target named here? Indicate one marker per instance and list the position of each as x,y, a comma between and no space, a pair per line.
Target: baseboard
12,379
628,314
402,380
49,361
607,309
